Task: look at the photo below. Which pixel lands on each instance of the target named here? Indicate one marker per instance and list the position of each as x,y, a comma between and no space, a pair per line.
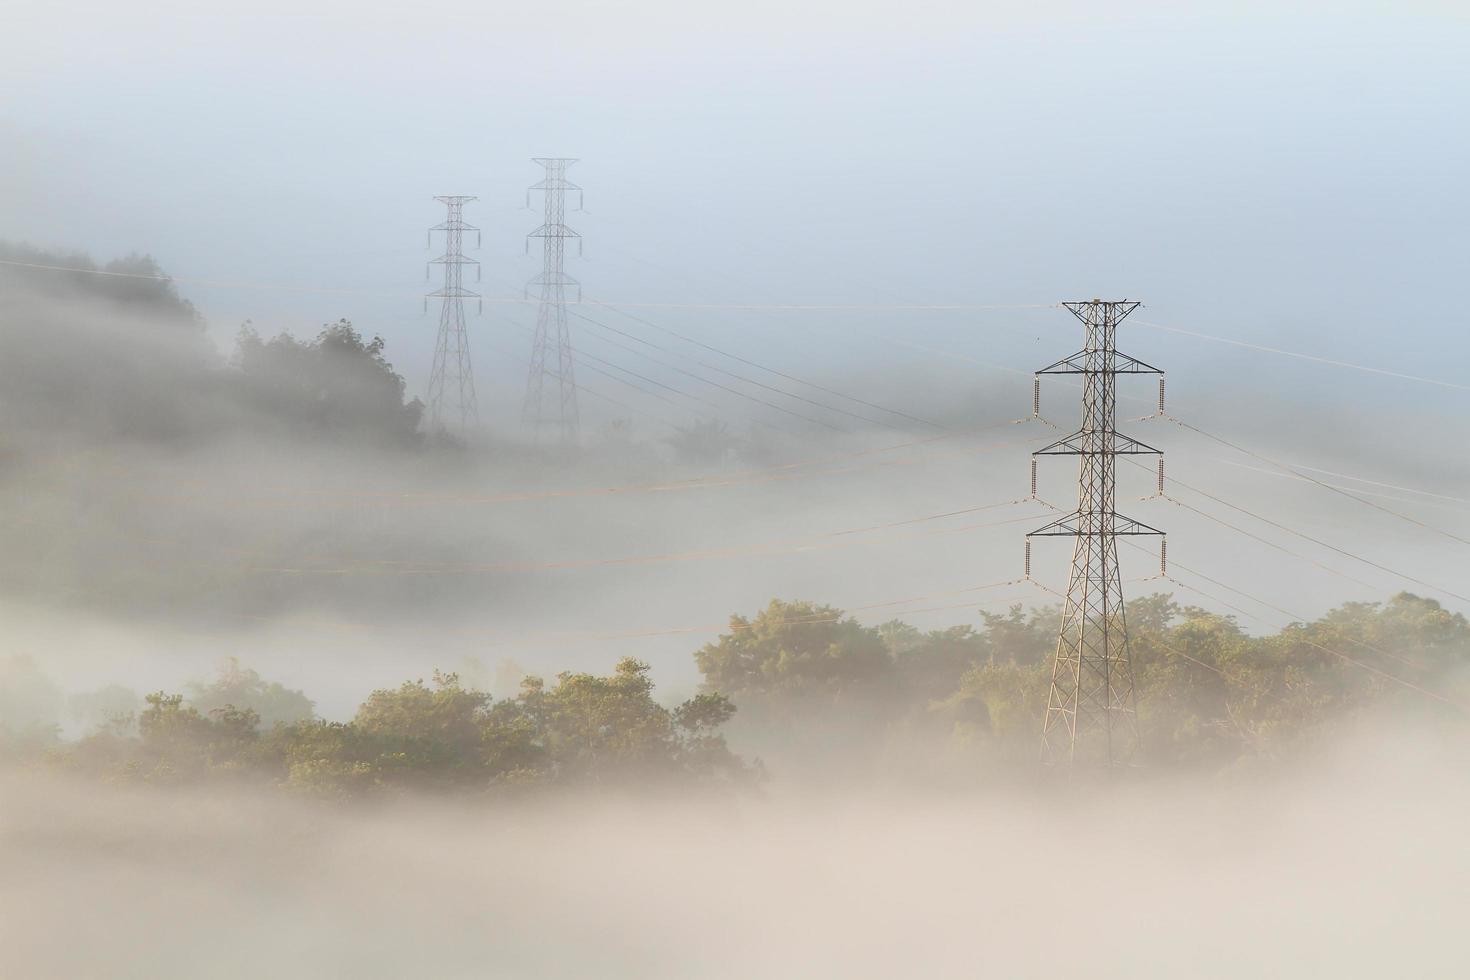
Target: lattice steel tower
452,405
1091,715
553,404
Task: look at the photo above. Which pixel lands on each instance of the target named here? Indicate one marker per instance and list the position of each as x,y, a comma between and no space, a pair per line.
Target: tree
816,689
338,385
137,284
600,728
241,687
795,649
1020,637
444,737
177,742
426,735
610,729
930,665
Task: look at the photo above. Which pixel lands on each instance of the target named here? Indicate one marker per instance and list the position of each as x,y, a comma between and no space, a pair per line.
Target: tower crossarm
1077,523
554,231
1082,444
1081,363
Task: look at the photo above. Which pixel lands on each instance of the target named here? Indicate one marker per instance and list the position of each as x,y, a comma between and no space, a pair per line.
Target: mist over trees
128,431
114,352
814,686
811,693
235,686
113,358
439,737
338,386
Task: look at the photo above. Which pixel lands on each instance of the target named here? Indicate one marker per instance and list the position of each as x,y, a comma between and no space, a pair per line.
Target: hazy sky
1291,176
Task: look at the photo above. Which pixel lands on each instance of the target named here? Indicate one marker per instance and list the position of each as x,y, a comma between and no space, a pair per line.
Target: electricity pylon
452,380
552,405
1091,712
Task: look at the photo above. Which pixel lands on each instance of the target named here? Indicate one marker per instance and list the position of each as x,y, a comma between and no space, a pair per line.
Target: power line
581,354
1307,357
1318,541
847,463
835,539
839,307
1366,646
779,374
1324,485
636,387
1439,499
731,626
621,305
1153,638
1312,643
607,398
582,357
522,300
1389,486
750,418
1254,537
717,370
723,387
1299,619
700,378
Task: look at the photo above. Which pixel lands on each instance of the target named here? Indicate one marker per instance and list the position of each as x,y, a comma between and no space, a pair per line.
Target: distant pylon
452,404
1091,711
553,405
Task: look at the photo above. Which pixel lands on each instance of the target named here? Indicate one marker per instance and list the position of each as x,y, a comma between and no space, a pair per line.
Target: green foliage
1210,695
1019,637
930,665
610,728
795,650
439,737
177,742
811,683
339,385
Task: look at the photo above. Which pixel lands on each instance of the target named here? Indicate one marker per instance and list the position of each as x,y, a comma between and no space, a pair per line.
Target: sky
1283,175
1278,176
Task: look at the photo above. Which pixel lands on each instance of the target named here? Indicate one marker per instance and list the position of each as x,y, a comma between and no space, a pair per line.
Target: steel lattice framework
1091,712
551,390
452,403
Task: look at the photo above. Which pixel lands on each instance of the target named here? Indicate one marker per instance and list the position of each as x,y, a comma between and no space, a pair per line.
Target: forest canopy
803,687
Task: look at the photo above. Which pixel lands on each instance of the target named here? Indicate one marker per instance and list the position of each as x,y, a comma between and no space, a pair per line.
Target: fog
750,679
164,515
1350,868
